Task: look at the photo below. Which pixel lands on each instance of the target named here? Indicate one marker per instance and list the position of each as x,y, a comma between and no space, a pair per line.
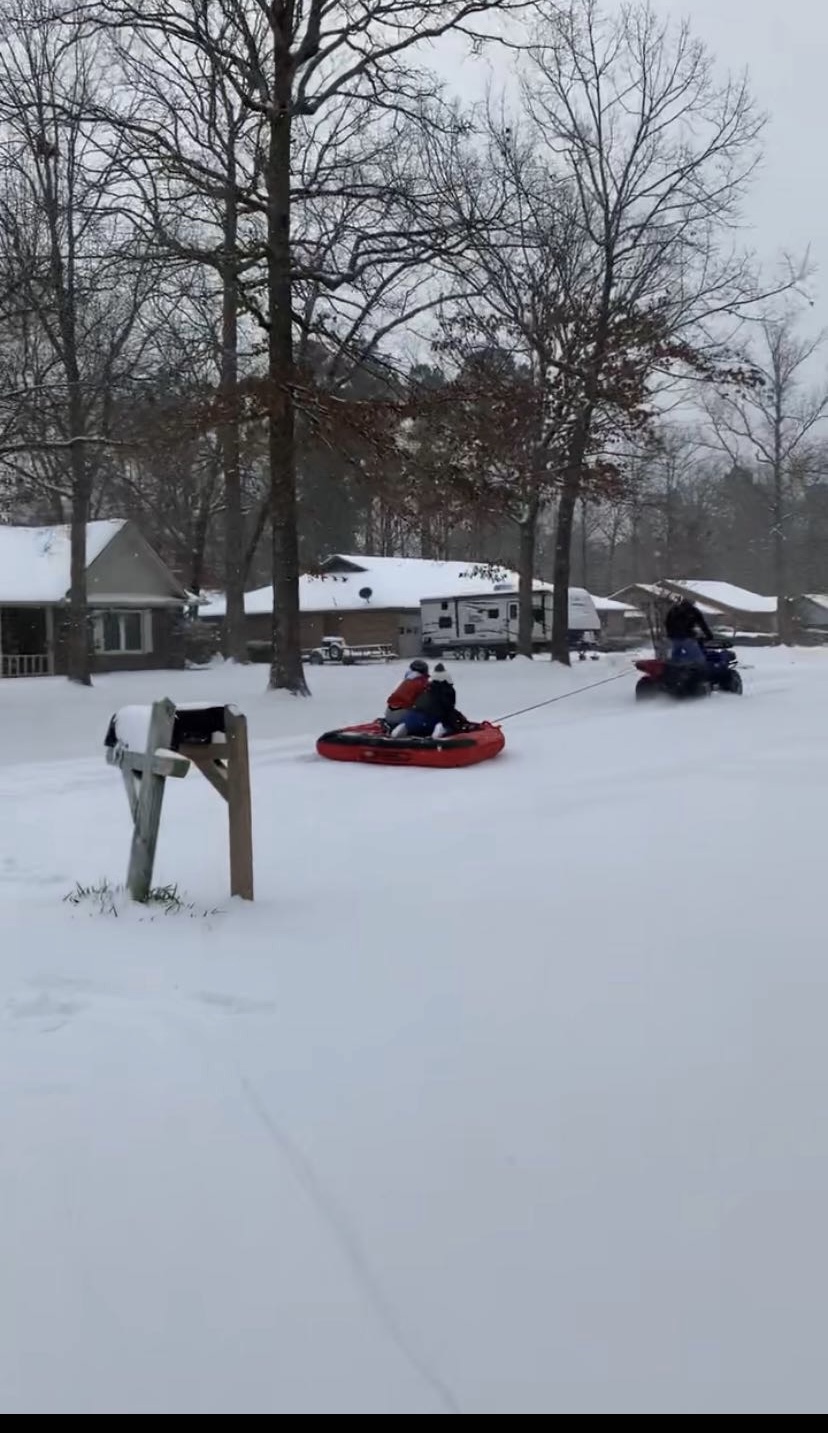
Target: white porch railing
36,664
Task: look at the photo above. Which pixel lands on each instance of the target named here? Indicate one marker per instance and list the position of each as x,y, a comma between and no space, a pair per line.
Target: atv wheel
646,689
732,682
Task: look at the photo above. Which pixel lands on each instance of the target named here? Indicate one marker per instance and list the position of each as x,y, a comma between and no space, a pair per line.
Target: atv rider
435,710
403,697
683,622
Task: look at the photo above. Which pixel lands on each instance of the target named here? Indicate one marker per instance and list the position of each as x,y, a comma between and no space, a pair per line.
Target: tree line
267,285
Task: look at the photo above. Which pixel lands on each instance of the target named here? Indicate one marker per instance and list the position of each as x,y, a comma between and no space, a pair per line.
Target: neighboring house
135,602
619,621
726,607
368,599
810,616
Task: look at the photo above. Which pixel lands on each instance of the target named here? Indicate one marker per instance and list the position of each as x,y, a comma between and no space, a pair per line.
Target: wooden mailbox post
214,740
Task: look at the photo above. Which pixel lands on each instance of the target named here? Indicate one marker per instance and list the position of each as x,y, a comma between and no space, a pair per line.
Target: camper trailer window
469,629
513,612
444,621
494,612
444,607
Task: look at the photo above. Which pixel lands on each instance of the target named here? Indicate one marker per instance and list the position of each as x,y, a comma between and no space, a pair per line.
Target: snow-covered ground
506,1096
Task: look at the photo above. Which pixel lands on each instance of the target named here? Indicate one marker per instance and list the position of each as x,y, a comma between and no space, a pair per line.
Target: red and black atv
661,677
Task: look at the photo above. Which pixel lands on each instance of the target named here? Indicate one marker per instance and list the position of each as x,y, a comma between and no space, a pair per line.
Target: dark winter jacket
685,620
440,702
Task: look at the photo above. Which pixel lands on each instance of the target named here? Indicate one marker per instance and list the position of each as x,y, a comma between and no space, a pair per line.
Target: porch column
50,641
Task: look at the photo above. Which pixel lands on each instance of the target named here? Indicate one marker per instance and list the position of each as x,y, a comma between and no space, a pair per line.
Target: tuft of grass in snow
104,899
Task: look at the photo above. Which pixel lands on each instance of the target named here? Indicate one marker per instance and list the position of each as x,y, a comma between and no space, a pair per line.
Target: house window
469,629
444,622
444,607
538,614
513,611
123,632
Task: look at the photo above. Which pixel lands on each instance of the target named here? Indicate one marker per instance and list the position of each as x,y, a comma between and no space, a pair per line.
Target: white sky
784,46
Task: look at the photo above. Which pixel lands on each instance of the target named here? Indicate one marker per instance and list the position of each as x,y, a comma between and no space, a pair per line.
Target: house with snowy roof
369,599
620,622
135,602
810,616
726,607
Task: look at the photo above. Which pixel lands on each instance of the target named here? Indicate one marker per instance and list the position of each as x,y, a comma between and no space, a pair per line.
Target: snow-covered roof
726,595
395,582
608,604
656,590
719,594
34,561
819,599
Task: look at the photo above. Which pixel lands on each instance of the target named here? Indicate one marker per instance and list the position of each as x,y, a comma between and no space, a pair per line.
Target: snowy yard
507,1096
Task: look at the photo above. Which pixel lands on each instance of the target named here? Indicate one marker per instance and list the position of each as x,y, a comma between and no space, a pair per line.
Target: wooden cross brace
226,765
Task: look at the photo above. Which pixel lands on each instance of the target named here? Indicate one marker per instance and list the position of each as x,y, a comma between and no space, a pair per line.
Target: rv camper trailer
487,625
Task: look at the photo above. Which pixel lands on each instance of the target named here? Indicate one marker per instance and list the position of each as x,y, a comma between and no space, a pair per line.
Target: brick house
135,602
367,599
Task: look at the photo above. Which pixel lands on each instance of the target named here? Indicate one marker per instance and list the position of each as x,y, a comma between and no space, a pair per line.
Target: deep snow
507,1096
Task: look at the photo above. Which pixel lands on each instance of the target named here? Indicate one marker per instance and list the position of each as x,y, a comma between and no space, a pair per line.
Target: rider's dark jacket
685,620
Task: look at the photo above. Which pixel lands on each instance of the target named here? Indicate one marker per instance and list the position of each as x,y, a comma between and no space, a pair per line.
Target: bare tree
78,284
658,153
776,425
518,277
291,65
191,152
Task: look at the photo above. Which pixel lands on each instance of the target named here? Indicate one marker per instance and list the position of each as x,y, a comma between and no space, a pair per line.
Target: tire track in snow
329,1211
336,1220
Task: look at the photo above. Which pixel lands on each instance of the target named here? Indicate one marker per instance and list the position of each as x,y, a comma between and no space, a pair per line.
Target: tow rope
561,697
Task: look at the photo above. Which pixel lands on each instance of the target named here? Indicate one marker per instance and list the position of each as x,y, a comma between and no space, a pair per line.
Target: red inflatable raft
369,743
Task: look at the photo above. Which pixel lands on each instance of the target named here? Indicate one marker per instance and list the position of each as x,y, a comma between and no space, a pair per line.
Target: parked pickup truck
333,649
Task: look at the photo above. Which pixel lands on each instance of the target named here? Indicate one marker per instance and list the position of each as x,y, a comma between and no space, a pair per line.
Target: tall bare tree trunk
78,664
669,532
235,637
62,269
567,504
576,458
612,543
77,643
370,533
428,546
253,541
780,562
528,529
780,556
387,530
199,545
286,672
584,545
